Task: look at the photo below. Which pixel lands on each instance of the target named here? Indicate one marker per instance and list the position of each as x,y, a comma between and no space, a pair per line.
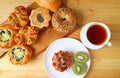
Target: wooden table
105,62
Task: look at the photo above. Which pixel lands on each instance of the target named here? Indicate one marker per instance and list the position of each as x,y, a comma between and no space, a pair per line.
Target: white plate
65,44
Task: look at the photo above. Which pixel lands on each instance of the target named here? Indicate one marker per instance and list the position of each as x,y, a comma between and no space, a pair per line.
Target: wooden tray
45,37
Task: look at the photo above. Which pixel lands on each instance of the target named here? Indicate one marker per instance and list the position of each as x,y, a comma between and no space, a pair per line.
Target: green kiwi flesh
78,68
80,57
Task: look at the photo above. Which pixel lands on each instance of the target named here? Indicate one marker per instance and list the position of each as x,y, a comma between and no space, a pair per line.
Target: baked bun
20,39
29,33
61,60
20,54
18,18
7,35
40,17
53,5
64,20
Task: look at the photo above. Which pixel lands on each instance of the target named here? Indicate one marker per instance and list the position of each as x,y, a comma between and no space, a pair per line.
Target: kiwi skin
84,55
82,68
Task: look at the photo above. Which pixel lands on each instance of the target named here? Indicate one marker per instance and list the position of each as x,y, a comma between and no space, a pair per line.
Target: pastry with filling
30,34
19,39
40,17
7,35
20,54
18,18
61,61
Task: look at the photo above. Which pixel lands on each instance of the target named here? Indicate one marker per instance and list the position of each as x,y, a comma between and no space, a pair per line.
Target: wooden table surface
105,62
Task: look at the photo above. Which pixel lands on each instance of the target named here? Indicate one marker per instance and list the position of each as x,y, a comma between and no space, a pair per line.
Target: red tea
96,34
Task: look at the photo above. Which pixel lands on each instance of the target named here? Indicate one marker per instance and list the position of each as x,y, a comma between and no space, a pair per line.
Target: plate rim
62,39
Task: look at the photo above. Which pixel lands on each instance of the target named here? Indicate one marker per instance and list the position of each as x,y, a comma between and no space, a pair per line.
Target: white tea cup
85,38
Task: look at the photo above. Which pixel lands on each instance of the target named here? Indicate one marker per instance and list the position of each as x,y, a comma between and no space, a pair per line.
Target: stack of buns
19,34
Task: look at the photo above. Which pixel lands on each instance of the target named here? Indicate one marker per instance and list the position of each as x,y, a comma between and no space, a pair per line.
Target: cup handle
109,44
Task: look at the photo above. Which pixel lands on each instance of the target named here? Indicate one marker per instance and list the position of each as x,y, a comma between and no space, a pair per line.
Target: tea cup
91,35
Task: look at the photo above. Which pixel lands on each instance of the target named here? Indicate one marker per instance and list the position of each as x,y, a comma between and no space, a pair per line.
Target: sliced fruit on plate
78,68
80,57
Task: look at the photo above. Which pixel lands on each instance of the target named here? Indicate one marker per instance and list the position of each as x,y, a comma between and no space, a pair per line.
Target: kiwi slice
80,57
78,68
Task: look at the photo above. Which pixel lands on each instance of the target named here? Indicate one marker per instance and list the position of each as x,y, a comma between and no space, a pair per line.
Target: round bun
64,20
53,5
7,35
19,39
20,54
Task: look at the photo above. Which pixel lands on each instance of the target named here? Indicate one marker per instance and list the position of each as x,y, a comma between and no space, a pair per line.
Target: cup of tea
95,35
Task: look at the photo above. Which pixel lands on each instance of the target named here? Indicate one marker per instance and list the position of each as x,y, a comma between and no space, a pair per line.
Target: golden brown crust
26,57
18,18
61,60
53,5
10,42
64,20
19,39
40,17
30,34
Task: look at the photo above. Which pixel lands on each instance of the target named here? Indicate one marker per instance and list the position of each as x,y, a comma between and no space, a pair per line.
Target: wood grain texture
45,36
105,62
